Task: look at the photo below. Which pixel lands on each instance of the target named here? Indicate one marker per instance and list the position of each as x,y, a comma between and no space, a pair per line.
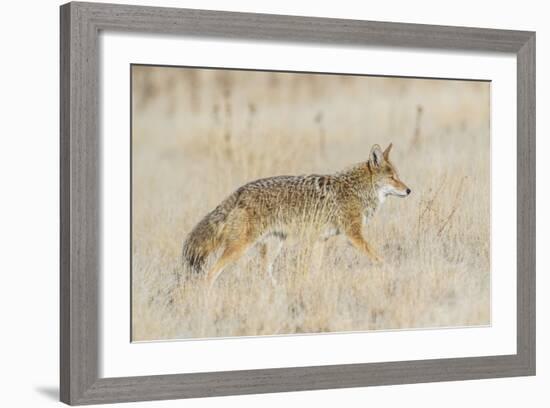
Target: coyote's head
384,174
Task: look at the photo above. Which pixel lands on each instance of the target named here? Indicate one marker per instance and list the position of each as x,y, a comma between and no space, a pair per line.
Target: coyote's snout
283,206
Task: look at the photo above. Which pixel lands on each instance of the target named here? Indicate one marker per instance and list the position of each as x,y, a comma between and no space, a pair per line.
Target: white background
29,224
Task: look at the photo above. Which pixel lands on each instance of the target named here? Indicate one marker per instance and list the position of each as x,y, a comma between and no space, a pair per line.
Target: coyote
283,206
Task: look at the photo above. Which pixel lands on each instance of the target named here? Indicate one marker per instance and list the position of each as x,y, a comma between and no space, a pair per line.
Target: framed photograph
291,203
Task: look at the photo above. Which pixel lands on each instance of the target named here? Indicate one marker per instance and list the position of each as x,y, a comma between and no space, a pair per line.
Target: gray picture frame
80,235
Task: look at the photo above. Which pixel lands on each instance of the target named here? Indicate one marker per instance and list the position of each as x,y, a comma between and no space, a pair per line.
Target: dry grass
199,134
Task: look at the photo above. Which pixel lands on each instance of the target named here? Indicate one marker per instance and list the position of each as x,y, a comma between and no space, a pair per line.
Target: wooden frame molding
80,237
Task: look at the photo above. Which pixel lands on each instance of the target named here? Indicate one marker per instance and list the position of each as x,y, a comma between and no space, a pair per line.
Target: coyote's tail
201,242
206,237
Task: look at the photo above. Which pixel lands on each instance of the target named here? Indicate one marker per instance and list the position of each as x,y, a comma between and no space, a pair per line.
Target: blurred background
198,134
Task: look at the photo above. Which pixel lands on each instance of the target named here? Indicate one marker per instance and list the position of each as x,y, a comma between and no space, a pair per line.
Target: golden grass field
199,134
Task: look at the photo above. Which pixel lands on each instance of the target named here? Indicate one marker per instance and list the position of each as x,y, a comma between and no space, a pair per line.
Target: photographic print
277,203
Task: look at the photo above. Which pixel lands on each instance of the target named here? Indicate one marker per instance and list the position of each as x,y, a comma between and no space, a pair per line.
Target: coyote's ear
387,151
376,156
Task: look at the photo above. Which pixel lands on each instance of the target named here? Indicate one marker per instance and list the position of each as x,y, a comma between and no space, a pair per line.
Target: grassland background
199,134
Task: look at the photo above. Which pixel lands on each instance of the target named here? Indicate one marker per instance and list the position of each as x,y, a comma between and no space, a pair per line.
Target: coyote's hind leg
233,251
268,253
240,237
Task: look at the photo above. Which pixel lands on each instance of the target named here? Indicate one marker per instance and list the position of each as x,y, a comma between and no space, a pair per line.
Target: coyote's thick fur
283,206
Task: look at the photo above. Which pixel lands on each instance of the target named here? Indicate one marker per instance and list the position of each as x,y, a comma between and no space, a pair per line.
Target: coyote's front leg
355,235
